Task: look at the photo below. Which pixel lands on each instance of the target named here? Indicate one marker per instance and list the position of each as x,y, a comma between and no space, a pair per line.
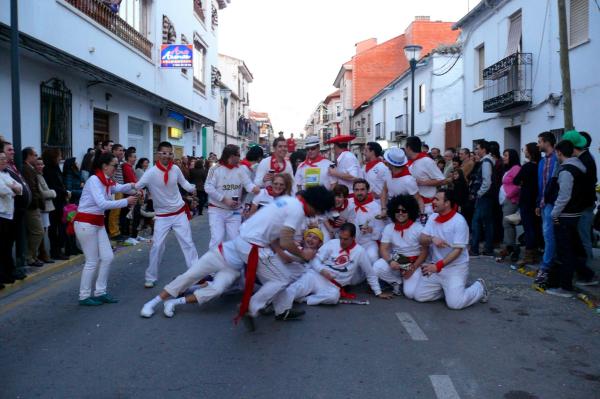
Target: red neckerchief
404,172
361,205
343,207
228,166
371,164
419,156
275,165
304,204
165,170
347,250
312,163
448,216
403,226
272,193
247,164
107,182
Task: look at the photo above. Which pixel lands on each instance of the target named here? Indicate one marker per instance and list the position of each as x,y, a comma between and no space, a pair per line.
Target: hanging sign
176,56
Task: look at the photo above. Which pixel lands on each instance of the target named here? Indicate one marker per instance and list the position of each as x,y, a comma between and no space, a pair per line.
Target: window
378,131
199,9
199,65
514,35
422,98
56,116
400,125
133,11
578,22
480,65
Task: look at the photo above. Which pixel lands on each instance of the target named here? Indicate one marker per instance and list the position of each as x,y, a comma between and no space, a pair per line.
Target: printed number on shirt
229,187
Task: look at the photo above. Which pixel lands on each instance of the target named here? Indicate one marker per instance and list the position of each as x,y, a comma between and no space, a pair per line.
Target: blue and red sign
176,56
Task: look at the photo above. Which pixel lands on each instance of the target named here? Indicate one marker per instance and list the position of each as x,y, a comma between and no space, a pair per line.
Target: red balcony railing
100,13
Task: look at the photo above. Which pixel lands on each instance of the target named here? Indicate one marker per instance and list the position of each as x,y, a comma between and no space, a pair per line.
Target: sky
295,49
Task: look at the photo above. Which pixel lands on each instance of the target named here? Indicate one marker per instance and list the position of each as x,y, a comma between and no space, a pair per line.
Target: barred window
56,116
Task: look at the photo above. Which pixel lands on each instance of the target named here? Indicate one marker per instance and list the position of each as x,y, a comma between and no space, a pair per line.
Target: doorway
101,126
512,138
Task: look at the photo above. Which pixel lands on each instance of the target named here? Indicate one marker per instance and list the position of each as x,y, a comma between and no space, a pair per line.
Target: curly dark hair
408,202
319,198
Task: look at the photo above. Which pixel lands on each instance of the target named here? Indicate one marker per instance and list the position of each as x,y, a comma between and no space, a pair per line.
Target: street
521,344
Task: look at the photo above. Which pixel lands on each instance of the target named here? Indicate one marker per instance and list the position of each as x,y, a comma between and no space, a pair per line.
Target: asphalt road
522,344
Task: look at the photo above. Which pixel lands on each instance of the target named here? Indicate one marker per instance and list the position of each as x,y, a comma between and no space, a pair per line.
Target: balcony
100,13
507,83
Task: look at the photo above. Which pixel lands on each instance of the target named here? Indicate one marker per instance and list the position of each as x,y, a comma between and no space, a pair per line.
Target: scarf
403,226
402,173
275,165
371,164
419,156
107,182
448,216
304,204
228,166
343,207
165,170
347,250
247,164
312,163
361,205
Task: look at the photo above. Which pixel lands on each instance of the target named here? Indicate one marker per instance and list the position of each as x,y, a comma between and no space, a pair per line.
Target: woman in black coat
54,178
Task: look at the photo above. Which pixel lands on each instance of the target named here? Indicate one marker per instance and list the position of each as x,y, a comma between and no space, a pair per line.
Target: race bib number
312,177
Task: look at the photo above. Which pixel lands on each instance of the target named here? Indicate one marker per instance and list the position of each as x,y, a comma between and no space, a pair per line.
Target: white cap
312,141
396,157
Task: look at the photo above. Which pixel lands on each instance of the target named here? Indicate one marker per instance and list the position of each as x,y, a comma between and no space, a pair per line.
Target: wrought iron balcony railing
507,83
99,12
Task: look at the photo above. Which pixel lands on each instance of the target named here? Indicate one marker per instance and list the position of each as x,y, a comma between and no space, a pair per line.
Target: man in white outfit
366,213
340,262
276,163
425,171
314,171
447,235
347,167
172,213
375,171
399,181
224,185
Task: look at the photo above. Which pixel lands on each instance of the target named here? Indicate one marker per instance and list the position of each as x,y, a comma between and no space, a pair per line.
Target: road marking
443,387
411,326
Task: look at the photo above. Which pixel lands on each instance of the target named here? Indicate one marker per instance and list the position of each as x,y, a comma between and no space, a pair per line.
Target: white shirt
95,200
7,202
377,176
262,198
347,163
266,224
426,169
224,182
343,266
310,176
455,232
263,168
401,185
367,218
408,243
165,197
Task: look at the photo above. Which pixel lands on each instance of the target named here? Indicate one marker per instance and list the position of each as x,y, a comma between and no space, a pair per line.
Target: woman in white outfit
281,185
401,237
89,227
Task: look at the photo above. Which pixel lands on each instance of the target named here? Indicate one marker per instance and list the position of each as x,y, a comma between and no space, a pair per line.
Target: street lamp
225,93
412,53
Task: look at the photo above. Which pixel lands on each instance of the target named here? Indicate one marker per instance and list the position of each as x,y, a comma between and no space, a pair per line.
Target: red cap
343,138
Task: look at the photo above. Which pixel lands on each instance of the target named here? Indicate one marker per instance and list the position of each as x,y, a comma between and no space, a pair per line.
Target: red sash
185,208
165,170
343,293
249,286
96,220
343,208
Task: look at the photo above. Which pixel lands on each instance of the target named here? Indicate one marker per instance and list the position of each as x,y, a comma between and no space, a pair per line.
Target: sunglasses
401,210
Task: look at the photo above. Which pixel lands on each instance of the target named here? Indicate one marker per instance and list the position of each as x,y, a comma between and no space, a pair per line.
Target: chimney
422,18
365,45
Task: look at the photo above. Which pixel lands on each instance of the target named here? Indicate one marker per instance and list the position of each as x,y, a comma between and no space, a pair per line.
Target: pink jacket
512,191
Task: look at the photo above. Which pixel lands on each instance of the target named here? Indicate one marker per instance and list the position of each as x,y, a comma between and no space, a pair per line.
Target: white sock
154,301
180,301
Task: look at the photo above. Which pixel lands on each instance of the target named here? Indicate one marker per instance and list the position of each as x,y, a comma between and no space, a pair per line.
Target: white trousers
372,249
211,262
384,272
98,254
275,276
221,221
181,227
312,287
449,283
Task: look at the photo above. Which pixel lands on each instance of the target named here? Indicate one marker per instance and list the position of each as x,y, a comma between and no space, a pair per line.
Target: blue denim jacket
553,162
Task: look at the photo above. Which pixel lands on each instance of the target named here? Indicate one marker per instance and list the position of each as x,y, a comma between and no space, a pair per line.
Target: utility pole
565,69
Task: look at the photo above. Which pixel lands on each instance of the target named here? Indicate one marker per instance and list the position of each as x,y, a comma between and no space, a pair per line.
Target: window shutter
514,35
578,22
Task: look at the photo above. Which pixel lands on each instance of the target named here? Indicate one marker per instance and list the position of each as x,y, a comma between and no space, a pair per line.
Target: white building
90,74
241,130
438,103
512,84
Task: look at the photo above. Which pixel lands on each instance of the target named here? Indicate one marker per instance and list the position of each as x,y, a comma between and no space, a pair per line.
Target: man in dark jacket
569,188
33,218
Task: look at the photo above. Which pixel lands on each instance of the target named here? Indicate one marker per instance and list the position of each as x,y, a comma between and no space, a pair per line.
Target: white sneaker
149,284
141,239
131,241
486,293
397,289
147,311
560,292
169,309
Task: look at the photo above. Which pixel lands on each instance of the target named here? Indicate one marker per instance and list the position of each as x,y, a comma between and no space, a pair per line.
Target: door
453,132
101,126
